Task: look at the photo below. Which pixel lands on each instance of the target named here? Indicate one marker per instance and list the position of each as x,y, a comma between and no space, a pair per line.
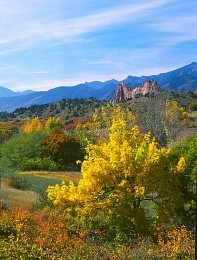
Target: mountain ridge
6,92
181,79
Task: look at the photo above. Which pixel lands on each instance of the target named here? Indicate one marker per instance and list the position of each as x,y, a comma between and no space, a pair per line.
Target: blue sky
50,43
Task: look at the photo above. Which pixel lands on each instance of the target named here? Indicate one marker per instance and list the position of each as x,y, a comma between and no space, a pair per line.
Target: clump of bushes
25,235
2,205
193,106
17,183
39,164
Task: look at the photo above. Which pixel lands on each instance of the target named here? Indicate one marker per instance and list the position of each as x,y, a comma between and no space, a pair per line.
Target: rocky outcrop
123,92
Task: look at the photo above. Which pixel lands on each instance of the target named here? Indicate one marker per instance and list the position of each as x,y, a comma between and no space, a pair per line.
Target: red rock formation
124,92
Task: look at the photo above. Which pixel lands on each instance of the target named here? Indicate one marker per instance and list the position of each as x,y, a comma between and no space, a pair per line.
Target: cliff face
123,92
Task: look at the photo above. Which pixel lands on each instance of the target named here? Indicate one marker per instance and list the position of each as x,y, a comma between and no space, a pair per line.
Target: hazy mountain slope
44,97
177,80
5,92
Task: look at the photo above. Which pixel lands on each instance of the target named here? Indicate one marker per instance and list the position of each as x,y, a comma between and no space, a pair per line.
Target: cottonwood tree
122,176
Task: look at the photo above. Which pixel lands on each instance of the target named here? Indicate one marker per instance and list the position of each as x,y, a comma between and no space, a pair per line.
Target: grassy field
13,197
38,182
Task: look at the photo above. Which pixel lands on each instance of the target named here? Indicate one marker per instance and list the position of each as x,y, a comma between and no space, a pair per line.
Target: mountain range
182,79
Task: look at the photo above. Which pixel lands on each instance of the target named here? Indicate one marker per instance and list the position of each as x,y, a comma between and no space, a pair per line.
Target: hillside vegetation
66,109
97,180
70,109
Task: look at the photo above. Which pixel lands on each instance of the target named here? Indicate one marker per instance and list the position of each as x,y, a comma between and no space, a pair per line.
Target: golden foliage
36,125
120,172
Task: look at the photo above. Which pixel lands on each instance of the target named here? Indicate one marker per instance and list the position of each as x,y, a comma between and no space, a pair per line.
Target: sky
49,43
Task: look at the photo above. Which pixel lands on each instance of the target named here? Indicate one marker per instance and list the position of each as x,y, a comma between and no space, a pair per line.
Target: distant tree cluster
40,145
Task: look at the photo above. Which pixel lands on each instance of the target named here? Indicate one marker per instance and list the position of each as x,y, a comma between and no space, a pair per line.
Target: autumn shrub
7,230
176,243
64,149
35,236
2,205
193,106
17,183
188,181
46,235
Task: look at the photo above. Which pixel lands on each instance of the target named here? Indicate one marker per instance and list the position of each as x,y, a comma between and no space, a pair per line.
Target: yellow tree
99,126
122,176
53,122
34,125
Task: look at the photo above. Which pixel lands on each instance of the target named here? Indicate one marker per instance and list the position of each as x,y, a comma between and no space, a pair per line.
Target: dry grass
13,197
64,176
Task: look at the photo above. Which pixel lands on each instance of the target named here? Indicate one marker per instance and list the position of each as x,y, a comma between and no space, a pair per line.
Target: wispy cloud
29,31
41,48
8,51
42,72
178,29
111,17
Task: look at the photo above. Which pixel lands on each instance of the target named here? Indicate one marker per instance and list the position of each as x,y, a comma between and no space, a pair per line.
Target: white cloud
28,31
41,72
26,24
110,17
9,51
178,29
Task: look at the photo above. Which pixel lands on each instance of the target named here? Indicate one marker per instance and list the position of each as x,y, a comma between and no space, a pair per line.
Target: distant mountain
182,79
9,104
95,84
5,92
99,85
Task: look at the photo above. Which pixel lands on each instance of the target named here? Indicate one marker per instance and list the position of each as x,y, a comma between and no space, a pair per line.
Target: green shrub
17,183
193,106
23,147
39,164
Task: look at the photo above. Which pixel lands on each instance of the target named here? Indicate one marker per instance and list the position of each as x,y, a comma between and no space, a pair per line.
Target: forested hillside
66,109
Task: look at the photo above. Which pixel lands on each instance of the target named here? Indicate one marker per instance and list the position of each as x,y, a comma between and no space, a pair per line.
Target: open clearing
13,197
38,181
